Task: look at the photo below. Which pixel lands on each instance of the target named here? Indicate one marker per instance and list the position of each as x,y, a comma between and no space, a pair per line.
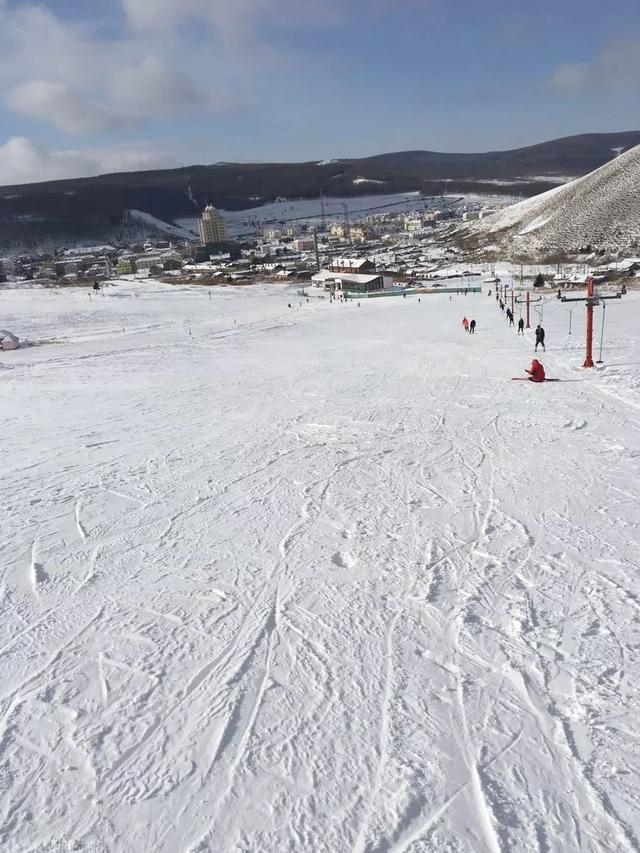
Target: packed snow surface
316,579
601,209
367,181
160,225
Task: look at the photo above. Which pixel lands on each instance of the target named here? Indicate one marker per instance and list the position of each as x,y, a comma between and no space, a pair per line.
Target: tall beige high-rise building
212,227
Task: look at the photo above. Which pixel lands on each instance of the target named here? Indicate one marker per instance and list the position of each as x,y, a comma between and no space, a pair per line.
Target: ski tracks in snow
382,608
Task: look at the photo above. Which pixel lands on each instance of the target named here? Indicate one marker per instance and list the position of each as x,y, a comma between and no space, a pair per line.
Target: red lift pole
591,299
519,300
588,362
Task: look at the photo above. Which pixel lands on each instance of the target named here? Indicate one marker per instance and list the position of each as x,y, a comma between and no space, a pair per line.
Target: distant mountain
94,208
600,210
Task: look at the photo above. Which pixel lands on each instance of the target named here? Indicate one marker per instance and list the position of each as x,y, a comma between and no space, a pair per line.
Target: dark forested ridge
91,206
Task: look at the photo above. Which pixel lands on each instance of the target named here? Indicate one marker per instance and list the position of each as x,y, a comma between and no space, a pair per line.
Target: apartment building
211,226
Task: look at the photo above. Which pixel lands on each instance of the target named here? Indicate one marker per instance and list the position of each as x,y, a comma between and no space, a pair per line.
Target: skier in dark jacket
511,320
540,338
521,326
472,327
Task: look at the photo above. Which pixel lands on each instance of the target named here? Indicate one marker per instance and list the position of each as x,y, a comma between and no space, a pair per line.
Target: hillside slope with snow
601,209
315,580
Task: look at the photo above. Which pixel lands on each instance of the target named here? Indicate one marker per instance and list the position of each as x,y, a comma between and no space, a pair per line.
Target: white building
146,261
211,226
352,282
273,232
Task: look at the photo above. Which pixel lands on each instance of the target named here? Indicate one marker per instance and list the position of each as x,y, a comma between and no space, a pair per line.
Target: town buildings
360,266
211,226
303,244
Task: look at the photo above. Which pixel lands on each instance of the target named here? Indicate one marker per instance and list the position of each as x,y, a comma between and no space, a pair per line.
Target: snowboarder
472,327
536,371
521,326
465,324
540,338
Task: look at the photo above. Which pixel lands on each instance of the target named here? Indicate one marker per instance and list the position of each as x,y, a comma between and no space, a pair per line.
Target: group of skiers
511,320
536,372
469,326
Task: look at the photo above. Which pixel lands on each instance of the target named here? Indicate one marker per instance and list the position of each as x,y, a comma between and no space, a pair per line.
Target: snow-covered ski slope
601,209
319,579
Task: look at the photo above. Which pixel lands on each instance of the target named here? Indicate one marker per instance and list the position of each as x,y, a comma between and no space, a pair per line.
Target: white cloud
615,67
571,77
68,75
140,90
62,74
22,161
67,108
231,18
618,64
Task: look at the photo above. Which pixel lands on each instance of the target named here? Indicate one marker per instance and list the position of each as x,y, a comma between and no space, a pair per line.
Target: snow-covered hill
601,209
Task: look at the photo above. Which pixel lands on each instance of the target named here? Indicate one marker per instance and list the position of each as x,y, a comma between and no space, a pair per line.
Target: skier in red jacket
536,372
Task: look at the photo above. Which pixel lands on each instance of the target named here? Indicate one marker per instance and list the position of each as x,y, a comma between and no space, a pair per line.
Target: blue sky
102,85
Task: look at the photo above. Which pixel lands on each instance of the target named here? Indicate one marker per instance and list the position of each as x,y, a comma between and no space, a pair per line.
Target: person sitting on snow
536,372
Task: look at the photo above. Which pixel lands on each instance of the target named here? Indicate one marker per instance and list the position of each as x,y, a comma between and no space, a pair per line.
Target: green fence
411,291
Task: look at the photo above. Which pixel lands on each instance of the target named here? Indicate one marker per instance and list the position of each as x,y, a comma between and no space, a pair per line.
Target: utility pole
604,305
592,299
323,214
315,246
346,222
528,303
588,362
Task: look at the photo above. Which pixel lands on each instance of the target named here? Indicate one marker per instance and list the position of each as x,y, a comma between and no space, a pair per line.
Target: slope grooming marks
340,587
